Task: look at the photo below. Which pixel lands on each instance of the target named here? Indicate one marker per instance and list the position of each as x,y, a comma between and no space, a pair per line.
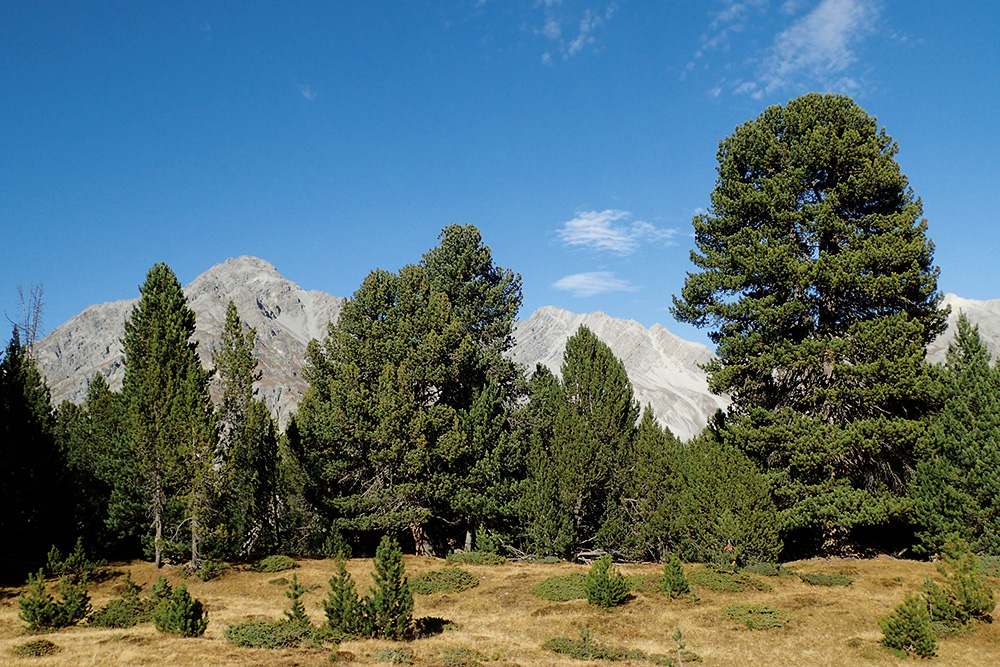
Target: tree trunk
420,540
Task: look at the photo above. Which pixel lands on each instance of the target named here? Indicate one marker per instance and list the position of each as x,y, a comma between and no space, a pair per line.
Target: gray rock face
664,368
286,318
984,314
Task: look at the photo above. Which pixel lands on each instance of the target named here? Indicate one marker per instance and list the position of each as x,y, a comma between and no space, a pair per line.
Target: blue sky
331,138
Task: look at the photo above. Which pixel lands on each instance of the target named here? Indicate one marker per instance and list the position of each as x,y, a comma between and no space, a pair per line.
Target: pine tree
816,274
381,430
297,612
169,419
675,584
389,609
604,585
342,607
955,488
33,506
908,629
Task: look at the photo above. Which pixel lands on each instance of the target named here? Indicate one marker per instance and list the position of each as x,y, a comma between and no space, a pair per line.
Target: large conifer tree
816,276
169,416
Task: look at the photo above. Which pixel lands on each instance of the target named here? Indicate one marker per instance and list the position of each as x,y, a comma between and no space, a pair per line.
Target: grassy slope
830,626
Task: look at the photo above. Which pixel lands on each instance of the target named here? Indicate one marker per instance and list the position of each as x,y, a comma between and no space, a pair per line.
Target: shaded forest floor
502,623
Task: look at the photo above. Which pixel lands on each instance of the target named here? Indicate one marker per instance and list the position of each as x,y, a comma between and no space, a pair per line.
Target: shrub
161,590
727,582
126,611
765,569
35,649
274,564
342,606
586,648
388,612
823,579
757,616
476,558
394,656
908,629
181,615
965,598
76,564
446,580
209,569
675,584
459,656
282,634
605,586
560,587
297,613
43,613
336,545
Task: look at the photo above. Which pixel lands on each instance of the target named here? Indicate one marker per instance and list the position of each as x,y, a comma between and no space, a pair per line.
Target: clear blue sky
331,138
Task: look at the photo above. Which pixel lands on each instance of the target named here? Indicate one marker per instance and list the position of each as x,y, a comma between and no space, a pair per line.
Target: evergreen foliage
908,629
816,276
168,412
956,491
966,596
43,613
605,586
33,506
675,584
561,587
757,616
342,607
297,612
389,608
383,432
445,580
180,614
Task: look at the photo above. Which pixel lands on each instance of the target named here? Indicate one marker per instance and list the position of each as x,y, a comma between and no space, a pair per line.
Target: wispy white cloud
819,47
568,29
608,230
593,283
307,92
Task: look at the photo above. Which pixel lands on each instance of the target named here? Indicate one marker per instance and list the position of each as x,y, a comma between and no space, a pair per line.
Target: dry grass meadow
505,623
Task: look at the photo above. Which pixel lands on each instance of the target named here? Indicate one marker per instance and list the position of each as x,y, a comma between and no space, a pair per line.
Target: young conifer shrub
342,606
908,629
43,613
389,609
297,614
605,586
675,584
180,614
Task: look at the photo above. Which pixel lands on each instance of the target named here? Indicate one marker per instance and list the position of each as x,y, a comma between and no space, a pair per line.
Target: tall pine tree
168,411
816,275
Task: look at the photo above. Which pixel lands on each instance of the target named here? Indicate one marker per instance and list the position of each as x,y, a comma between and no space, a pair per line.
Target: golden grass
501,619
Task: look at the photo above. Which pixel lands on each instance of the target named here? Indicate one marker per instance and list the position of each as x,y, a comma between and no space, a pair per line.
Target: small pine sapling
605,586
389,609
181,615
295,591
675,584
342,607
908,629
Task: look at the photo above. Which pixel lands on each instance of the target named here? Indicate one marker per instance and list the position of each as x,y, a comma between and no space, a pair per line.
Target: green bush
561,587
336,546
757,616
586,648
476,558
281,634
823,579
604,585
446,580
43,613
765,569
342,607
161,590
675,584
75,565
388,611
908,629
726,582
181,615
459,656
209,569
35,649
274,564
122,613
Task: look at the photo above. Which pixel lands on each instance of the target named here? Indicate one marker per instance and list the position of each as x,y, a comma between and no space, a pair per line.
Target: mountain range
665,369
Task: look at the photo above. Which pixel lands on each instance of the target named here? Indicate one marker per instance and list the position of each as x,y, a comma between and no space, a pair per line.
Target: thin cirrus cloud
569,32
609,231
307,92
817,49
593,283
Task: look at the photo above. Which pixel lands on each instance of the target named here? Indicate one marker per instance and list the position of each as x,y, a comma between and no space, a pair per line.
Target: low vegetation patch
476,558
766,570
275,634
126,611
36,648
605,586
726,582
43,613
585,648
445,580
394,656
180,614
274,564
561,587
757,616
459,656
823,579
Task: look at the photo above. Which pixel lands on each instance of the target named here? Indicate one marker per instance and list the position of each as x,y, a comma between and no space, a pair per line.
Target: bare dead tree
31,305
